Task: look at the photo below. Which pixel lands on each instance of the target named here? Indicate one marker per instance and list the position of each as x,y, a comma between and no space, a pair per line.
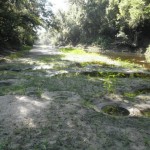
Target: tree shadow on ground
56,121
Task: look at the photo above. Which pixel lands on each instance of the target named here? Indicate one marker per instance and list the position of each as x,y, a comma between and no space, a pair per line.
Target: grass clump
13,89
53,58
83,64
72,51
110,82
24,50
127,63
130,96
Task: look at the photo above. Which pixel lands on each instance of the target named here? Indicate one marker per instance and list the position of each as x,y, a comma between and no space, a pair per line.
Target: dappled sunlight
143,105
43,46
144,97
23,110
134,59
69,93
47,96
32,101
72,60
36,63
24,113
42,66
54,73
93,57
87,58
70,124
67,101
44,50
42,57
30,110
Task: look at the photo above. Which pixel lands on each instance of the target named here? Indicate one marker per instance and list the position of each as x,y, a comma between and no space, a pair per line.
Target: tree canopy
87,22
19,20
102,22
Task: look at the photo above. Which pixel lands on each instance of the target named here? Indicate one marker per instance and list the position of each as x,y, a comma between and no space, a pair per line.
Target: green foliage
83,23
23,50
103,41
101,22
129,17
26,48
132,12
19,21
110,82
130,95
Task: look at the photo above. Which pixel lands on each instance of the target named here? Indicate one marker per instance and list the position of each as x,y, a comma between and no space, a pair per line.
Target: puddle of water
131,57
115,110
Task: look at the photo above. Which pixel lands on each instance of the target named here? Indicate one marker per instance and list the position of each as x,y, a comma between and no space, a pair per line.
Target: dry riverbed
54,99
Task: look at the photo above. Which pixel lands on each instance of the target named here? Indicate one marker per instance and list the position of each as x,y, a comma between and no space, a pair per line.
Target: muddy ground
53,101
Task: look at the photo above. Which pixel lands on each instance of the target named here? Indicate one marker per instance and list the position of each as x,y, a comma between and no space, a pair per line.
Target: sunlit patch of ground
79,55
51,101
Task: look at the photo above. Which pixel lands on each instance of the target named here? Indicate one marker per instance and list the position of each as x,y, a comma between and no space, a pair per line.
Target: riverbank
137,57
53,99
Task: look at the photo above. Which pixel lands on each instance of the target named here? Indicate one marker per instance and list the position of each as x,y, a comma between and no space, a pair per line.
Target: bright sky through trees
59,4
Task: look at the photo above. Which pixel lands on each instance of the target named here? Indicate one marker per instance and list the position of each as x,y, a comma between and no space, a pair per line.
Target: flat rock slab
43,50
16,111
63,96
133,111
15,69
19,111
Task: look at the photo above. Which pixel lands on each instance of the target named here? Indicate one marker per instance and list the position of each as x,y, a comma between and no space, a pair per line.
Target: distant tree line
100,22
103,21
19,20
